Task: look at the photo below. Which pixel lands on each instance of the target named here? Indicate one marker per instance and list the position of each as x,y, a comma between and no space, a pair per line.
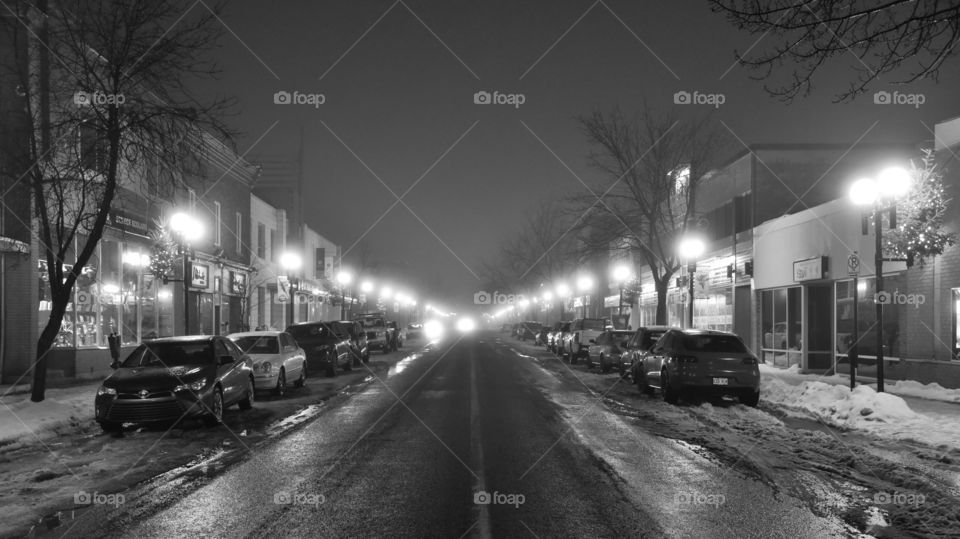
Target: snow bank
932,391
22,418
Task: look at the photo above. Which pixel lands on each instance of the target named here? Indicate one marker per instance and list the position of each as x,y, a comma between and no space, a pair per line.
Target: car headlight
104,390
265,366
195,386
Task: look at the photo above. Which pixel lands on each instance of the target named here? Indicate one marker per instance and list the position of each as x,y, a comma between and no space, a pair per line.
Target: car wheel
356,360
366,357
641,381
281,386
215,412
332,368
751,399
623,371
573,357
604,368
303,376
247,402
386,349
348,366
670,395
111,427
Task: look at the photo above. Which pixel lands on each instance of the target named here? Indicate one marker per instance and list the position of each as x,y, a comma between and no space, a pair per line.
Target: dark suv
324,344
359,345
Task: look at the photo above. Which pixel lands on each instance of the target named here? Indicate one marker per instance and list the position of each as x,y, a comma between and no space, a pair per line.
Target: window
273,245
94,150
239,233
261,241
782,326
261,305
216,223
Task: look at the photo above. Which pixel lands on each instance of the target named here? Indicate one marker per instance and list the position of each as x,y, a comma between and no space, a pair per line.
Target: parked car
529,330
374,325
541,338
164,380
606,349
577,339
396,335
277,359
359,343
639,346
326,348
414,331
553,338
701,362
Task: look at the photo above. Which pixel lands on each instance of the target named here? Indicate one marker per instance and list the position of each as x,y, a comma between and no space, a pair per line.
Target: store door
819,326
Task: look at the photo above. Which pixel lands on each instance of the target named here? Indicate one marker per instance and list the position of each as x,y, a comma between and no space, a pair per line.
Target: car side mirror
227,358
656,350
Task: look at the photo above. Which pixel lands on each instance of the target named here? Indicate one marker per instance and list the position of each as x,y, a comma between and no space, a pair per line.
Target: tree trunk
44,343
661,287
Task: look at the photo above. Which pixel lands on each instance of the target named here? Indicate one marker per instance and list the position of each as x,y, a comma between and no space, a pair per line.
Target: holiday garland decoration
920,216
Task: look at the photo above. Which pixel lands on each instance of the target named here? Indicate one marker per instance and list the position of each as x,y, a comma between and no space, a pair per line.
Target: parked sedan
607,348
702,362
276,359
326,349
165,380
639,346
577,339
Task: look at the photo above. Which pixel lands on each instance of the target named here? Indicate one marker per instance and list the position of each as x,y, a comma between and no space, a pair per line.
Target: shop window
893,316
782,325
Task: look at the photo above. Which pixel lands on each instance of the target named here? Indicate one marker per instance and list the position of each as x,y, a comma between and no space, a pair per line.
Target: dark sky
402,96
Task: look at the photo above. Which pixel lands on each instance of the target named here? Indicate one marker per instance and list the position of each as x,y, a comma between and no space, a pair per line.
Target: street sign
853,264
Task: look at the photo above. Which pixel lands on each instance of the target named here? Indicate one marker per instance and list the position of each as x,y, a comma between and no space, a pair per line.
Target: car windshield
258,344
311,331
594,324
371,322
714,343
650,338
170,354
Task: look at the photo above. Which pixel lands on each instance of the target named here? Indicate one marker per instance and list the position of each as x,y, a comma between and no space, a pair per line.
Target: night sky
399,107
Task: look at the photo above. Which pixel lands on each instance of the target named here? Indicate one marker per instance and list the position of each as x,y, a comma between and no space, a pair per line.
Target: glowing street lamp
344,278
187,229
878,195
584,285
563,292
621,274
690,249
291,263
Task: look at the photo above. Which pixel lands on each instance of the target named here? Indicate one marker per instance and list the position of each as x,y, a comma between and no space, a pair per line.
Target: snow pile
838,405
22,418
932,391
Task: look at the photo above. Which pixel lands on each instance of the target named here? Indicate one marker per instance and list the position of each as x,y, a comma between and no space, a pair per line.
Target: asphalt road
408,455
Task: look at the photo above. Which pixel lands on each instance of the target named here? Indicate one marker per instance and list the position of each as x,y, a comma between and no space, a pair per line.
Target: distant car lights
433,329
466,325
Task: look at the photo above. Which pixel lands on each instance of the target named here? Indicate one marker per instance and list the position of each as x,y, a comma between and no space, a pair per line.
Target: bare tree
651,166
106,95
909,38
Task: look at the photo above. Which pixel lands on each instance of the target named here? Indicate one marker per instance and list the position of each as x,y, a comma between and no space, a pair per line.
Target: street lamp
881,193
291,262
584,284
343,278
187,229
621,274
690,249
563,292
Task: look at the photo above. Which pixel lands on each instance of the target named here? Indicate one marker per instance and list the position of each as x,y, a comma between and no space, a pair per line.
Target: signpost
853,269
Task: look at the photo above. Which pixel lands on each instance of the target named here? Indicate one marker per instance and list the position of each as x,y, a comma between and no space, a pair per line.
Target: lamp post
584,284
187,229
690,249
880,193
366,287
291,262
621,274
343,278
563,292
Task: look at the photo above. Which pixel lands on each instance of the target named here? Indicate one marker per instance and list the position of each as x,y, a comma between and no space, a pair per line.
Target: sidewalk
909,410
22,418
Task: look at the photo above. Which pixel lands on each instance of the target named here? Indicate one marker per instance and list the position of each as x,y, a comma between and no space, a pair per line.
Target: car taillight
749,361
685,359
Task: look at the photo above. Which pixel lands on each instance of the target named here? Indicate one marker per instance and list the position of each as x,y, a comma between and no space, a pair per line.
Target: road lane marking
476,450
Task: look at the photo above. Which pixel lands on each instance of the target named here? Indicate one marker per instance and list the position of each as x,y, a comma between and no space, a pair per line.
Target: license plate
721,381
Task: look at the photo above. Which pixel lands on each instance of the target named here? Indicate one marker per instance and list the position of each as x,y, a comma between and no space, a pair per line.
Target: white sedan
276,359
